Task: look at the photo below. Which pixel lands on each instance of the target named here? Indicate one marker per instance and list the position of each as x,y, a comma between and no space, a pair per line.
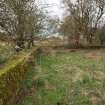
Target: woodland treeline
22,20
84,18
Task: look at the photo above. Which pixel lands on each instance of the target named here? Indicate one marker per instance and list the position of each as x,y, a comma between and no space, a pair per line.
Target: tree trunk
31,42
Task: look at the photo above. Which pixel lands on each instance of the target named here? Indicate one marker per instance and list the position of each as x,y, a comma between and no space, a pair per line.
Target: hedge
13,74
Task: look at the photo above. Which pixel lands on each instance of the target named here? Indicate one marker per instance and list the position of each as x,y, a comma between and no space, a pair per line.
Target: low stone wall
13,74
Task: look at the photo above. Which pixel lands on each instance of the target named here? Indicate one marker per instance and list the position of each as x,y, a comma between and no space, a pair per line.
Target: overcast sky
55,8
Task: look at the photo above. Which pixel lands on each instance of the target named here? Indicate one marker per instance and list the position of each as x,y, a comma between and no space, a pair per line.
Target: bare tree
19,18
85,16
34,24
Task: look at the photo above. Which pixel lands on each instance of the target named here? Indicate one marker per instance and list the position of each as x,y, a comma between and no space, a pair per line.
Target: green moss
13,74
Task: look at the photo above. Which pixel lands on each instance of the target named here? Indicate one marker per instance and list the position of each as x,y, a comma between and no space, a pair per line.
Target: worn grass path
70,78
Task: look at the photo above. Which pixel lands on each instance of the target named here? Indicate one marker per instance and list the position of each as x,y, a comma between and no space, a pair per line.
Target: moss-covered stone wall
13,74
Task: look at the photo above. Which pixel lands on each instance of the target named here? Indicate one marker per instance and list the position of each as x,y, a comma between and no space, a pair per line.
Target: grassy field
68,78
6,52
